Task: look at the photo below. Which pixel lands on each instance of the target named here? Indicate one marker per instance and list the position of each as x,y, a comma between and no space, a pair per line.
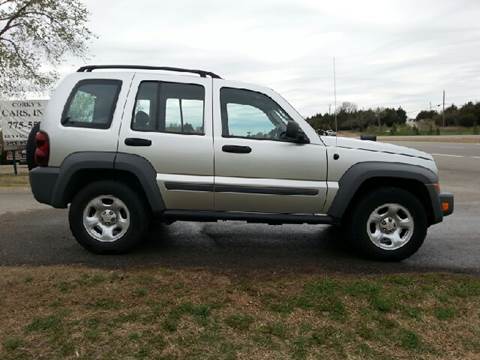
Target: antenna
335,100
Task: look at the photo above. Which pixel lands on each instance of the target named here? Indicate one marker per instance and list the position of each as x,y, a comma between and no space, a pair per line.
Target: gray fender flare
356,175
136,165
146,175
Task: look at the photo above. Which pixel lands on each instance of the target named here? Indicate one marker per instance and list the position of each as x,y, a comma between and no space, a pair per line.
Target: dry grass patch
81,313
10,180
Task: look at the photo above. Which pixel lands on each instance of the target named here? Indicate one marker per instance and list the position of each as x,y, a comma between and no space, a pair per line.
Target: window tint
169,107
250,114
91,104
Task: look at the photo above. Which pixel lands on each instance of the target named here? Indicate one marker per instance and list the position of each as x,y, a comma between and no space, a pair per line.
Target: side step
272,219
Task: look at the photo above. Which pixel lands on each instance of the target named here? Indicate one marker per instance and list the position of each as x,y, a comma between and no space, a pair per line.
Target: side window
172,108
146,107
92,104
250,114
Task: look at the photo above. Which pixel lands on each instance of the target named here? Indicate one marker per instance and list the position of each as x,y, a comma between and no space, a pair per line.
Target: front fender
356,175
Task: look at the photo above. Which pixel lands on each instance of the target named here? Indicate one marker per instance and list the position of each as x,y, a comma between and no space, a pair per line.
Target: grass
406,130
11,180
68,312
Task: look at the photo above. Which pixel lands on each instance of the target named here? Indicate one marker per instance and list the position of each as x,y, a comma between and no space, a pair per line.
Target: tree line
467,115
349,117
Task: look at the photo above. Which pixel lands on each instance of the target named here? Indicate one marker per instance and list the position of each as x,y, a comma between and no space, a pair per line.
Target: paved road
42,236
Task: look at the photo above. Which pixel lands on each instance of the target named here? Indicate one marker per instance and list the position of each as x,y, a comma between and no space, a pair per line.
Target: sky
388,53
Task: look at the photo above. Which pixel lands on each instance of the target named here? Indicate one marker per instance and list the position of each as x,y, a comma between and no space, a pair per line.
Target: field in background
453,136
404,130
69,312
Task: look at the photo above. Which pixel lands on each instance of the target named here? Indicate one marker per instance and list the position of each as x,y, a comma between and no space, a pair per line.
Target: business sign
17,118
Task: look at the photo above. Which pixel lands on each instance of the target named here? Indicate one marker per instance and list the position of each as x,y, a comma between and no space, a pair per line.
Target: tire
108,217
378,234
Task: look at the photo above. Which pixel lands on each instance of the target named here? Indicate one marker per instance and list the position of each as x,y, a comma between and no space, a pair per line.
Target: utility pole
430,106
335,100
443,112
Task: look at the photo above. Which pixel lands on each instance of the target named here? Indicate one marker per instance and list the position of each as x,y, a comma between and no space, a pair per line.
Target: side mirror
292,130
294,134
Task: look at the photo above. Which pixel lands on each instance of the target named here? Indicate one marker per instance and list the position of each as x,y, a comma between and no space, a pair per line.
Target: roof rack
202,73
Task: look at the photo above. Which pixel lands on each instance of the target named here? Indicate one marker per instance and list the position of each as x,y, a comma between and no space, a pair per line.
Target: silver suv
120,147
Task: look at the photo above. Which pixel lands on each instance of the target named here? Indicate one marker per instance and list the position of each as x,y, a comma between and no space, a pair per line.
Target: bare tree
35,33
348,107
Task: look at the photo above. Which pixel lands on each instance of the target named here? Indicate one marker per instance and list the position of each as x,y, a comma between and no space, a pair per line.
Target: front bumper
446,203
442,204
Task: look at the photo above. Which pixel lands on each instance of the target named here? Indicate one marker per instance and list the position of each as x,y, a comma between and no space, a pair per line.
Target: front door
168,121
256,170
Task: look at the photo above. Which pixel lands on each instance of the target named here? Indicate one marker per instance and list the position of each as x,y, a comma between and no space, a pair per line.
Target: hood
351,143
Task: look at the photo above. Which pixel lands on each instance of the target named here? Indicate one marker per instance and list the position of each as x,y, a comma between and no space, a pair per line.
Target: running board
272,219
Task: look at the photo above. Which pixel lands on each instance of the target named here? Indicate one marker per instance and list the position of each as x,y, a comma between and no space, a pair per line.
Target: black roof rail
202,73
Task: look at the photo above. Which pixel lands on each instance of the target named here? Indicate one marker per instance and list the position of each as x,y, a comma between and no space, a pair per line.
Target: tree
401,116
425,115
347,107
35,33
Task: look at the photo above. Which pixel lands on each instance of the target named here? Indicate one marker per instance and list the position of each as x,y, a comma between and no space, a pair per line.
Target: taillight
42,149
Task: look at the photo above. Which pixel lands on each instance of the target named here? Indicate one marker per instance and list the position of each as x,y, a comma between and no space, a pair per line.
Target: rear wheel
108,217
388,224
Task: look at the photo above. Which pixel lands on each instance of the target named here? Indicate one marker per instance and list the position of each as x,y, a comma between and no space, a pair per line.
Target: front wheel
108,217
388,224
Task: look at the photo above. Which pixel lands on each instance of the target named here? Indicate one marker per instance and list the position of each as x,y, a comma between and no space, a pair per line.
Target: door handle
137,142
237,149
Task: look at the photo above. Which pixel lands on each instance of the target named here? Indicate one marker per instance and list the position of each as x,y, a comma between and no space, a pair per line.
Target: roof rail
90,68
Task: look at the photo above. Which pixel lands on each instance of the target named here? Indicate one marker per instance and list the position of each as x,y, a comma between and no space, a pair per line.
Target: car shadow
224,246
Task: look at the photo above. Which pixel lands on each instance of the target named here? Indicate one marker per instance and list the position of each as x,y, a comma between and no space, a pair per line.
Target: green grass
50,323
12,343
239,321
443,313
153,313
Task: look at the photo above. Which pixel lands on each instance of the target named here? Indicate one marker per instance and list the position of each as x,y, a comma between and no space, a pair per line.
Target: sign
17,118
19,156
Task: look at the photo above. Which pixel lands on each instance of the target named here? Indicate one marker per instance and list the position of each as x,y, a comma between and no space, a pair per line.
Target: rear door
256,170
168,121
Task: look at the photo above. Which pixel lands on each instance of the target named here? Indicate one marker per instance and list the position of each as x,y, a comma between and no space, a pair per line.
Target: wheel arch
79,169
364,177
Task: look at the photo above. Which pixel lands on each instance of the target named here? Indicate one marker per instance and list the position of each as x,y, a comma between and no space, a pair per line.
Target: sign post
15,171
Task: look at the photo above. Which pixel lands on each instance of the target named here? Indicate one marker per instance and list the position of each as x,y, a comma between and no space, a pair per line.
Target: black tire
139,217
356,226
31,147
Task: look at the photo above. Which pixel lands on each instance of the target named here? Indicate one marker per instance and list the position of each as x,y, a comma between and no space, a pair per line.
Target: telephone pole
443,112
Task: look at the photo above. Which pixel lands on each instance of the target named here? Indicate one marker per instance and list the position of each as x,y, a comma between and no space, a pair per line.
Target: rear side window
169,107
92,104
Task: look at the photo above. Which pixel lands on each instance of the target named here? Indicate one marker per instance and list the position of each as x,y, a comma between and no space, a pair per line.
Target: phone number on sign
21,125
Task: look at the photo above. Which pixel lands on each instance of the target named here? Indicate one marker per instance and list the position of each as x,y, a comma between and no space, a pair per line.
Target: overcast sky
388,53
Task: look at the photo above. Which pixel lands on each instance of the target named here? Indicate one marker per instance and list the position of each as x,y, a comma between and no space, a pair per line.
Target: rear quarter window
91,104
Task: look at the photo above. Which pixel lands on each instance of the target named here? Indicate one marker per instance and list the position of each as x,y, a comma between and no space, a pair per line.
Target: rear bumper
43,181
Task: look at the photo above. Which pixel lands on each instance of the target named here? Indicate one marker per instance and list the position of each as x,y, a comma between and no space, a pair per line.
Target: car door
168,121
256,170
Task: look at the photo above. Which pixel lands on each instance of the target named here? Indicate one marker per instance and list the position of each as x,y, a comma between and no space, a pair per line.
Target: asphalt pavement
32,234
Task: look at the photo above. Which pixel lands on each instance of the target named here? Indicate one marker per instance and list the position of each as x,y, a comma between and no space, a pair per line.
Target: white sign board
17,118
